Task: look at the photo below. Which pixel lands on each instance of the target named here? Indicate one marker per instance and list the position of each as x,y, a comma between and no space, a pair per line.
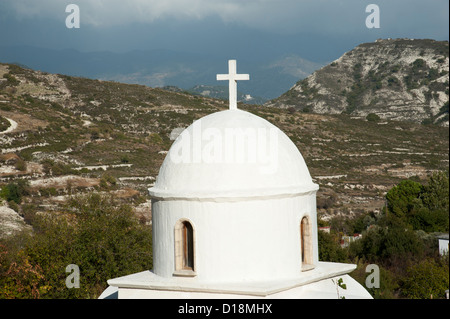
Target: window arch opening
306,244
184,248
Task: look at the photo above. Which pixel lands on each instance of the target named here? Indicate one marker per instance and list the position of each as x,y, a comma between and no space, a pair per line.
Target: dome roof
232,154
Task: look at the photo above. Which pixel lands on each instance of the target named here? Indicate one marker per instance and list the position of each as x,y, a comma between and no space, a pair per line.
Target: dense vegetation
401,241
4,124
103,238
106,240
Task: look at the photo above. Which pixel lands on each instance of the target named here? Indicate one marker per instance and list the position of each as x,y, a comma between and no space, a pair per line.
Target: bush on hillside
104,239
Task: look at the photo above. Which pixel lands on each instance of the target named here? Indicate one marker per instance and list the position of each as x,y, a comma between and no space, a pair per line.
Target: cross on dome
232,78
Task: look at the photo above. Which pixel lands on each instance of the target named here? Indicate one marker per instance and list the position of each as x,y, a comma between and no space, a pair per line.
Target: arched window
184,248
306,244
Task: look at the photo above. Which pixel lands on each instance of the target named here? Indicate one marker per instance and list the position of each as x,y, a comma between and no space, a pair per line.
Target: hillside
397,79
69,135
271,76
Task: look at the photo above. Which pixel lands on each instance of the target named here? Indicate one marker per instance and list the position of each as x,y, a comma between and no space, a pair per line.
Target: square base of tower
148,285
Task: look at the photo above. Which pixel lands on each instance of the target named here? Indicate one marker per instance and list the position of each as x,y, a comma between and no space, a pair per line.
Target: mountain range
158,68
396,79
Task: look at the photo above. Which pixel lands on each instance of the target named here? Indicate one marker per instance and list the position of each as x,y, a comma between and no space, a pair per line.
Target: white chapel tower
234,216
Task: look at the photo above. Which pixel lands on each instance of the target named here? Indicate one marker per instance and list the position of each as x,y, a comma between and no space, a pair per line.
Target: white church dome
234,215
232,154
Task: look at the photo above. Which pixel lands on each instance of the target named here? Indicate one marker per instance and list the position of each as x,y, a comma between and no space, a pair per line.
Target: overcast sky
315,29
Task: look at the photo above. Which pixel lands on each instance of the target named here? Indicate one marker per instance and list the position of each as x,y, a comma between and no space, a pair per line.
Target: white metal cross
232,77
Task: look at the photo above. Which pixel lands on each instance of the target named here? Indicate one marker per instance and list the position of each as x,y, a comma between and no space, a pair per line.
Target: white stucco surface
229,154
245,201
317,283
244,241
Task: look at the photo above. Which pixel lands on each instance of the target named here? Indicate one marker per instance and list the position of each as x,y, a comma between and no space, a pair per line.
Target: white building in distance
443,244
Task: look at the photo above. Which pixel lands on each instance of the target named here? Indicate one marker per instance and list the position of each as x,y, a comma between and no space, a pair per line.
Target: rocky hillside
62,135
67,135
397,79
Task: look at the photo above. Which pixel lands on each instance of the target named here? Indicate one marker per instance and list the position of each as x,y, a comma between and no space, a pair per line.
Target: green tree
427,279
424,207
390,242
329,249
433,214
402,198
429,220
14,191
435,194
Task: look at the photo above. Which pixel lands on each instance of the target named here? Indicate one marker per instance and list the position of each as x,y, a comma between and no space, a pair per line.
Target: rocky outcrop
400,79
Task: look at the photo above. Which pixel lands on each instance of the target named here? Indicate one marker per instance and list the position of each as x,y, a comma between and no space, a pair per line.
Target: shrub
372,117
11,79
56,169
20,279
106,181
14,191
155,138
4,124
21,165
419,63
427,279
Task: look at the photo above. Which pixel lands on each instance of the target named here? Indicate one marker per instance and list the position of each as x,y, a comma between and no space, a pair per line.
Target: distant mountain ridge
221,92
397,79
158,68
